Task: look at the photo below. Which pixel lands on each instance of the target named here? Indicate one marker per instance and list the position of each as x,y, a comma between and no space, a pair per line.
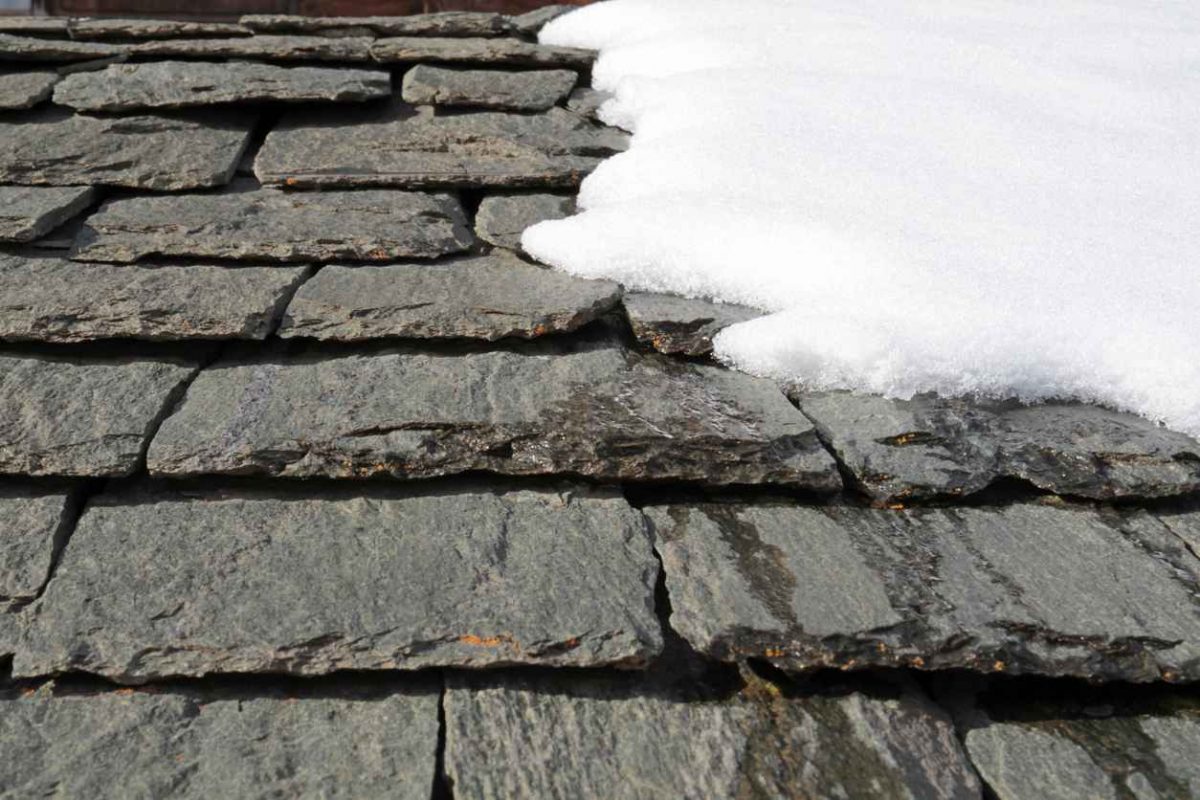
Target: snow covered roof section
961,200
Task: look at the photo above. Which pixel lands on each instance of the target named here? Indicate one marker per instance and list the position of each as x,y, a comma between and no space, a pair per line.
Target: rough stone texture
681,325
35,26
399,146
586,102
54,300
74,417
1021,589
25,89
479,297
271,48
507,52
309,584
532,90
447,23
28,48
202,744
141,152
27,212
502,219
1185,525
927,447
179,84
131,29
598,411
271,225
532,22
33,523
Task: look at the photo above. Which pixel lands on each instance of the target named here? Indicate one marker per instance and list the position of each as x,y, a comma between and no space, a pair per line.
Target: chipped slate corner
313,483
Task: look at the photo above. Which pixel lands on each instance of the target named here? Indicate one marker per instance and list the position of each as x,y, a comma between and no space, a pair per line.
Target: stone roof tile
25,89
27,212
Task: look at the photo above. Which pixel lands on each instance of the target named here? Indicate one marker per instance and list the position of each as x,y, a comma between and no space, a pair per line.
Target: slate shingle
29,48
33,522
27,212
446,23
681,325
25,89
502,218
528,90
132,29
267,48
506,52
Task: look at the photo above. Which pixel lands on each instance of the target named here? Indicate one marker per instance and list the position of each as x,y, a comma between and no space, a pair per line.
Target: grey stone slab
1023,589
445,23
586,102
133,29
502,218
499,52
1186,526
183,743
159,153
532,22
180,84
271,225
314,583
681,325
33,523
55,300
528,90
27,212
399,146
598,411
29,48
20,90
72,417
270,48
900,450
34,26
486,297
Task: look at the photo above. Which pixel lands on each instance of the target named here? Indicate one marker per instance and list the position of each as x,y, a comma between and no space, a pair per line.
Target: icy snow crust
992,198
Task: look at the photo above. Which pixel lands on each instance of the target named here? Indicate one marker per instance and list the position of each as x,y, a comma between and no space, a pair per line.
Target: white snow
992,197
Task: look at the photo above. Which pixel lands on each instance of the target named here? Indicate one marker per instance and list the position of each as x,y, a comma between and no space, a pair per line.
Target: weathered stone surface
927,447
33,523
26,212
1021,589
28,48
141,152
272,48
131,29
586,102
399,146
598,411
67,417
179,84
25,89
506,52
54,300
682,325
202,744
310,584
1186,526
502,219
446,23
34,26
271,225
532,22
530,90
479,297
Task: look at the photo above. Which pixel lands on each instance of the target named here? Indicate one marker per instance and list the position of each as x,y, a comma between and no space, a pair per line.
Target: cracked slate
486,297
189,743
27,212
1022,589
272,225
502,218
447,23
316,582
496,52
180,84
89,418
131,29
681,325
28,48
55,300
929,446
401,146
271,48
161,153
20,90
597,411
530,90
32,523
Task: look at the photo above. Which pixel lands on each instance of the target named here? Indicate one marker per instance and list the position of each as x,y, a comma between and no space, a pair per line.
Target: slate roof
314,484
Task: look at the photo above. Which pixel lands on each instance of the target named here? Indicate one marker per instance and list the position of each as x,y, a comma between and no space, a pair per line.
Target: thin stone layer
133,29
532,22
502,218
60,416
900,450
314,583
28,48
27,212
530,90
19,90
1027,589
34,26
271,225
398,146
270,48
180,84
682,325
586,102
486,297
597,411
55,300
499,52
33,524
446,23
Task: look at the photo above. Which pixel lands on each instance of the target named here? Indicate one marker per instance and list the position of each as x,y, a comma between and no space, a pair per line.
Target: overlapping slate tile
597,411
681,325
502,218
506,52
132,29
398,146
532,22
189,743
317,582
445,23
29,48
271,225
180,84
928,446
478,297
55,300
25,89
271,48
529,90
33,522
161,153
60,416
27,212
34,26
586,101
1022,589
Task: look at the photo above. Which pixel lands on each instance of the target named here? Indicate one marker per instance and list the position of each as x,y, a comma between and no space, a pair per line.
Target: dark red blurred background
230,9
